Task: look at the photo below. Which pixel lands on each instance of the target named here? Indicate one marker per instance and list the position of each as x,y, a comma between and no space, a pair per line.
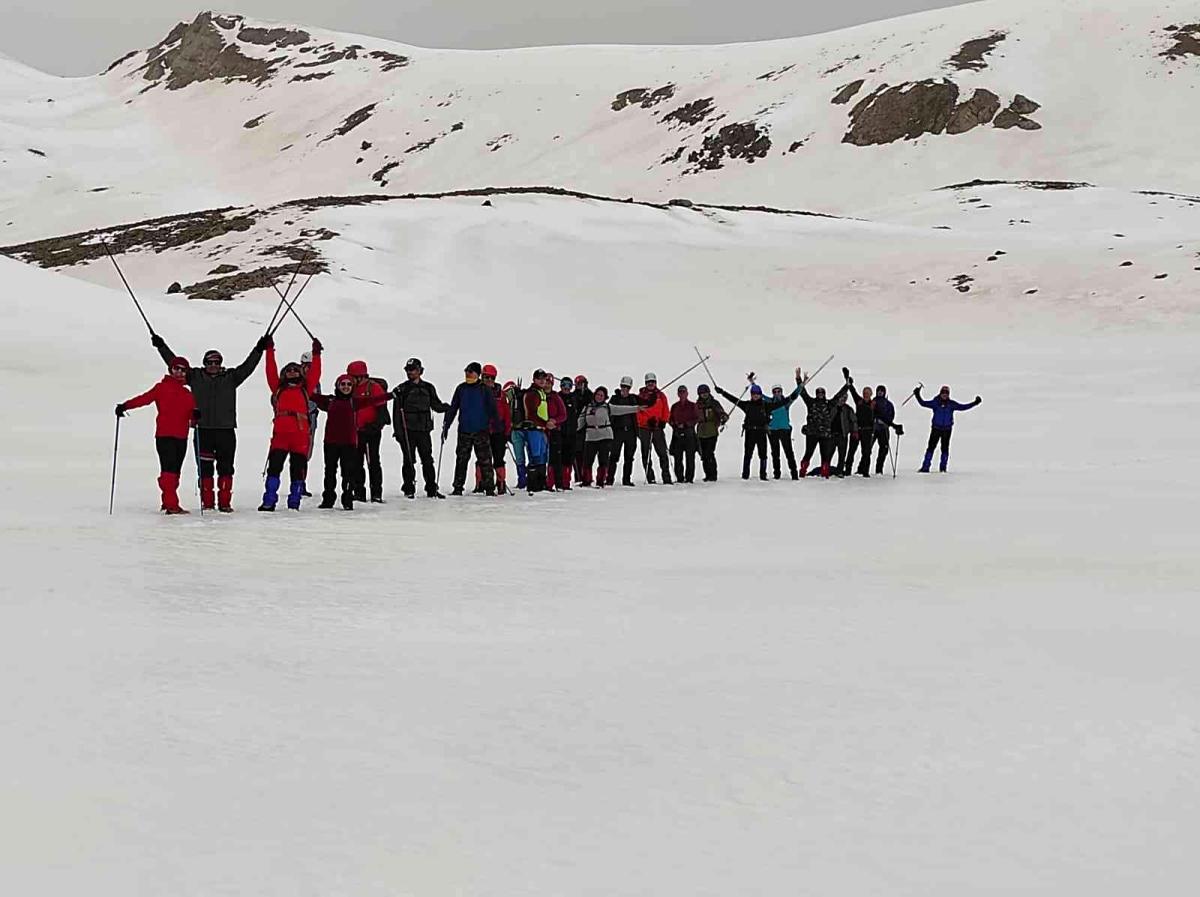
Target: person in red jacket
370,431
652,421
684,417
176,408
290,391
500,431
341,438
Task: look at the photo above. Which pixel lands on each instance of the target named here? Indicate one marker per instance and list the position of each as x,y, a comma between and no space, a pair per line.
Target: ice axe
911,394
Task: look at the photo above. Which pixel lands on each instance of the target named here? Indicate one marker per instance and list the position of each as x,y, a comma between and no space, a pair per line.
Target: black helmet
474,368
413,364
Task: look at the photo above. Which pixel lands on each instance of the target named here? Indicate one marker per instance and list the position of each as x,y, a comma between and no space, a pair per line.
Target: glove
846,374
157,341
265,342
899,429
916,390
317,347
121,410
978,400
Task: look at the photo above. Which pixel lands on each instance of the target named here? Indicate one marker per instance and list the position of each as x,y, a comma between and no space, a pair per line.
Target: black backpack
383,417
516,405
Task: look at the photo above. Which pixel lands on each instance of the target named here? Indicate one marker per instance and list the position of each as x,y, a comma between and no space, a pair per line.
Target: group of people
558,431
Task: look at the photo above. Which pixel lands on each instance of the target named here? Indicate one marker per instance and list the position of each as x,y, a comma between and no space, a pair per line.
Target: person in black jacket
415,403
625,433
885,423
864,435
215,391
818,428
758,412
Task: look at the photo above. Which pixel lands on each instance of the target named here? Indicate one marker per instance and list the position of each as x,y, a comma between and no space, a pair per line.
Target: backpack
383,417
516,405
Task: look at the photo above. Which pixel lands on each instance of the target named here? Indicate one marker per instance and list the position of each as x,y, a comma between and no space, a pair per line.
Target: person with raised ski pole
885,423
372,418
708,430
841,427
943,408
684,418
499,433
416,401
176,407
864,434
756,416
475,407
818,426
341,438
290,390
215,391
779,430
652,421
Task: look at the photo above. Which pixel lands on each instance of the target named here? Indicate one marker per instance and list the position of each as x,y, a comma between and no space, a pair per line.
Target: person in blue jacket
475,407
885,423
943,408
779,429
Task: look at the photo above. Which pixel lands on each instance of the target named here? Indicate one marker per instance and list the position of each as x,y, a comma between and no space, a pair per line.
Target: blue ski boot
296,493
271,495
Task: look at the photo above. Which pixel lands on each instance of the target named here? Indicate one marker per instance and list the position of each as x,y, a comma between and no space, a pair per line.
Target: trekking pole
818,370
911,394
685,373
410,458
895,455
112,492
704,361
279,307
291,309
737,405
441,449
137,304
199,475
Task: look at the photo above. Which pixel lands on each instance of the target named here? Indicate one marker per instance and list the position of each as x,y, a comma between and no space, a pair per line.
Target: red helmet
357,369
489,370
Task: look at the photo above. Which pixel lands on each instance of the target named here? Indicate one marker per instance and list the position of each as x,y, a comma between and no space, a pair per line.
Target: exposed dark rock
128,56
331,57
772,75
903,112
1009,119
155,234
174,288
226,288
970,56
487,203
675,156
1032,185
962,282
391,61
98,189
457,126
684,203
422,145
795,146
381,175
277,37
311,76
1022,105
223,269
37,152
366,145
227,22
691,113
1160,276
1185,41
841,65
201,54
979,110
353,120
743,140
1125,264
256,121
846,94
643,96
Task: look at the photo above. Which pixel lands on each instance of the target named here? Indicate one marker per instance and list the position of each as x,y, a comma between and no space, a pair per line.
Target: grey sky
77,37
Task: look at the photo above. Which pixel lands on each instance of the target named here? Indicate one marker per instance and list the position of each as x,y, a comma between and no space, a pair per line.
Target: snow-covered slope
246,112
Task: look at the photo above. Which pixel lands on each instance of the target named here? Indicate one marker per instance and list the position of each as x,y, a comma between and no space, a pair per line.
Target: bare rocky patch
274,37
116,62
1185,41
903,112
352,121
391,61
256,121
979,110
223,289
1030,185
847,93
971,56
311,76
691,113
1015,115
643,96
350,52
199,52
746,141
772,75
380,177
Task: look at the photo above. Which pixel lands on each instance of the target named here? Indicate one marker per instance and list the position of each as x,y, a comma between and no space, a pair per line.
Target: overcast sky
78,37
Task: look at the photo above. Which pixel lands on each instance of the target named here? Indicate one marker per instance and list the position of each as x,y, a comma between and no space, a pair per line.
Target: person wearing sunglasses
215,391
175,405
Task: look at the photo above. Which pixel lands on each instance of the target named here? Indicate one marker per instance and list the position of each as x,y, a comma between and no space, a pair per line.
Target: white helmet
306,358
627,381
651,377
775,387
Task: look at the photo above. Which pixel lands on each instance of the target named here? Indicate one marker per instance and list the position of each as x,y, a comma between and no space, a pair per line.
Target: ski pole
441,449
112,492
291,309
685,373
818,370
737,405
704,361
911,394
279,307
895,455
199,474
137,304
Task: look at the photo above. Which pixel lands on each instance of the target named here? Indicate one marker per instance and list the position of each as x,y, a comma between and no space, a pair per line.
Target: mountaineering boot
347,501
457,490
478,490
825,471
168,483
225,494
925,464
803,469
295,493
502,481
521,476
326,501
270,495
206,494
433,493
945,462
626,481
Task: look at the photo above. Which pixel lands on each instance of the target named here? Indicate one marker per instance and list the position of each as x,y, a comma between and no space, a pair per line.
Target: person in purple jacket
943,408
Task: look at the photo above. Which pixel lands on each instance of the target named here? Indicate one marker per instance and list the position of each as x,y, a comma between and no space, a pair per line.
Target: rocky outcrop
199,52
971,56
1015,115
979,110
352,121
744,140
274,37
643,96
903,112
691,113
847,93
1185,41
391,61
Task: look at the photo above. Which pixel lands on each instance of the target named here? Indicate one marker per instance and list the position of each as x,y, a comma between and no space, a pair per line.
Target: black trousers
683,451
349,459
782,438
708,456
481,444
865,439
938,436
656,440
414,443
554,439
171,452
570,451
883,443
297,466
499,444
217,446
810,445
597,450
623,441
368,458
754,440
841,447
